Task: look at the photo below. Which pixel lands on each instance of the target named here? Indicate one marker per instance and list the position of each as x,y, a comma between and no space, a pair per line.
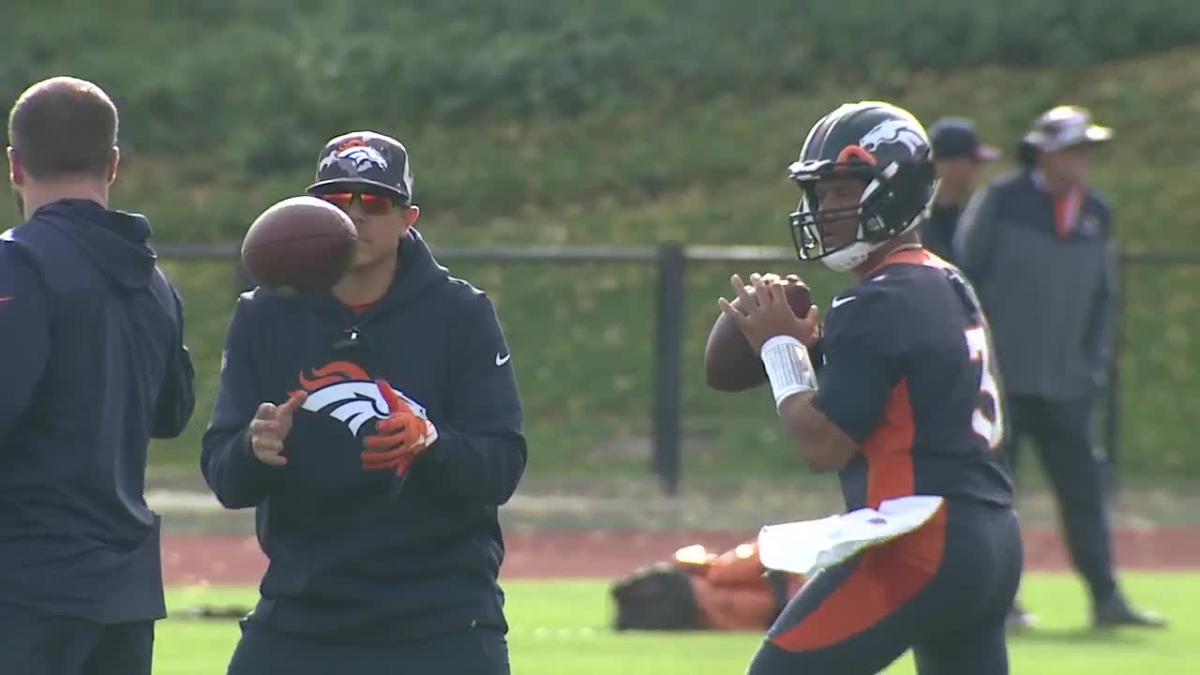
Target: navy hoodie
92,349
353,552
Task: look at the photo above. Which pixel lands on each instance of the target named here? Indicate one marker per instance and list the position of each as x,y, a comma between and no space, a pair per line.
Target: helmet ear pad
897,198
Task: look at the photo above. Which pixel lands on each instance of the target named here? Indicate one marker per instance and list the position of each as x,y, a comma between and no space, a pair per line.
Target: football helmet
884,146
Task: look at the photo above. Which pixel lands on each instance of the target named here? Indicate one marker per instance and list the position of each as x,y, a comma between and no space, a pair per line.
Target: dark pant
473,651
942,591
33,643
1062,433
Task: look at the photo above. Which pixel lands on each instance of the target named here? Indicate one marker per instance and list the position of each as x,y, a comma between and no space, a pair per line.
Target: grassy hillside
630,122
204,62
712,172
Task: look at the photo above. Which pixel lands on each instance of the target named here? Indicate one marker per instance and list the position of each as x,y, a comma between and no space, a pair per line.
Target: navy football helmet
887,148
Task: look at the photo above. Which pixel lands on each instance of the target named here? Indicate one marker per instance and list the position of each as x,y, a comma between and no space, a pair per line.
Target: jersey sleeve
861,354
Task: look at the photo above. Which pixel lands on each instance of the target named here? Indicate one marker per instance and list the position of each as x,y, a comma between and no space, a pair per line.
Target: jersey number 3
988,418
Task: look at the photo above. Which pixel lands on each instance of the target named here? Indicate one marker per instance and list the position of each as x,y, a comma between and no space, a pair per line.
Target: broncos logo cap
361,160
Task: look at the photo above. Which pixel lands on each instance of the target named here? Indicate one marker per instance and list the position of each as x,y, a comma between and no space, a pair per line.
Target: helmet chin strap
852,255
849,257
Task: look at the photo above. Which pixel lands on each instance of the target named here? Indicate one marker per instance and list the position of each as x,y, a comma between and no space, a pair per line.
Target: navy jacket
349,552
94,363
937,230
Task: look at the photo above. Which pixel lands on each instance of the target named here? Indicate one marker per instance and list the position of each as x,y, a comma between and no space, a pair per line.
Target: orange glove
399,439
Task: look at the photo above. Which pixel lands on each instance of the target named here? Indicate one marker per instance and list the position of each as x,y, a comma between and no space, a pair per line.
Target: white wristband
788,367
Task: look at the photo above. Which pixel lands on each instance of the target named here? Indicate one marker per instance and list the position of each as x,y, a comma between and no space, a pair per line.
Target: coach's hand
271,426
400,438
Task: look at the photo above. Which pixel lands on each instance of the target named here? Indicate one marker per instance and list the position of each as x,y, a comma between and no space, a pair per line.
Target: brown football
303,244
729,362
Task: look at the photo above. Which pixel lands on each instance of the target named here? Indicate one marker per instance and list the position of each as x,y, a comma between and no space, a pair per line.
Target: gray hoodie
1050,300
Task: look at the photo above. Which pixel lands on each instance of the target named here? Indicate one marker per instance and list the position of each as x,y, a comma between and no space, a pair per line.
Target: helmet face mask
824,231
886,149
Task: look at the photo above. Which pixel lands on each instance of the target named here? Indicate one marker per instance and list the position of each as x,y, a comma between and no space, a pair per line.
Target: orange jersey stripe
886,578
889,450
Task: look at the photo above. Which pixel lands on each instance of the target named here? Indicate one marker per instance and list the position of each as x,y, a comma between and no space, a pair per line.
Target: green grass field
560,627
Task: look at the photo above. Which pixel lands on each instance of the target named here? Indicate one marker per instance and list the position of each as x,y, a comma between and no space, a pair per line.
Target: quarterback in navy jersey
898,394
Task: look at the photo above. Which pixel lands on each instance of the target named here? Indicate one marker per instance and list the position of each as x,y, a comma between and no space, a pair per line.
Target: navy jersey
908,374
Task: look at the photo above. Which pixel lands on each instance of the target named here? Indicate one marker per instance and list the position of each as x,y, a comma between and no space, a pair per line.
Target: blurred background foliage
626,122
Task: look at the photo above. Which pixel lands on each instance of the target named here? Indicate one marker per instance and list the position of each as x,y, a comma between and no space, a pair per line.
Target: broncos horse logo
355,157
347,393
892,131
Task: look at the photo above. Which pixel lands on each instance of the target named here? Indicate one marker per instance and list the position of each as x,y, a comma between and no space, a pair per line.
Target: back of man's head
64,128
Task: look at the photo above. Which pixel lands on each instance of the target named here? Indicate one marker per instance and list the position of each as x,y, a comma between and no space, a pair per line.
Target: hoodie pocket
324,461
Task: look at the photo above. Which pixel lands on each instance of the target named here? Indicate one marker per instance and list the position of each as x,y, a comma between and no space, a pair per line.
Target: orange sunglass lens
371,204
375,204
341,200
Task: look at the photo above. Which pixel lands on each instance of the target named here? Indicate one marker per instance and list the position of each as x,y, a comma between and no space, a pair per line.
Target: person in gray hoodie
1038,245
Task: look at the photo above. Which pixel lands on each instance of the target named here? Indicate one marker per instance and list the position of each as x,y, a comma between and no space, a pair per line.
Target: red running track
189,560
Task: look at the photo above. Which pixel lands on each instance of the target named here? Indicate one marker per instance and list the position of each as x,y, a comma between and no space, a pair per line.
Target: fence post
1112,411
668,365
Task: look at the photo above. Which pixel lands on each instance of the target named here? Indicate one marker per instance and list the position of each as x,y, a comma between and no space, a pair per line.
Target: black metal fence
672,261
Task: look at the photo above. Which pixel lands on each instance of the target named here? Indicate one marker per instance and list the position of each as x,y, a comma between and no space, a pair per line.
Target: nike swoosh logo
838,302
501,360
6,298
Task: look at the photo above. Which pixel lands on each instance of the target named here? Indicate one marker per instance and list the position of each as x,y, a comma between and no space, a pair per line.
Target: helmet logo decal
892,131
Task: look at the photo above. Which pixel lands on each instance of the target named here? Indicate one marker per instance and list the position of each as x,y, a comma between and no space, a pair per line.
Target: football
300,244
729,362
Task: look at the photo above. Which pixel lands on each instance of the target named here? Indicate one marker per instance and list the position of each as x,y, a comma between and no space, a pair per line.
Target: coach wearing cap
376,429
957,154
1038,246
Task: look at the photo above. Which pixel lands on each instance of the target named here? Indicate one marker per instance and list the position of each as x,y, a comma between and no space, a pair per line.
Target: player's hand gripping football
399,439
270,428
765,313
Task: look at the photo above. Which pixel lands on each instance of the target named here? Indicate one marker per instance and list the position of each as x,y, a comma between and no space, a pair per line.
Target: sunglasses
372,204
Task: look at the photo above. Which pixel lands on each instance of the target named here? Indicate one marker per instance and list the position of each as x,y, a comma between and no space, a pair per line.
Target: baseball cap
954,137
1065,126
362,159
